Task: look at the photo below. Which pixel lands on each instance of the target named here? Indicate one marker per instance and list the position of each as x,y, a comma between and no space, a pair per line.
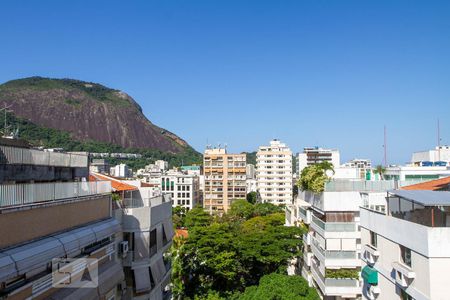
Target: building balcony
373,292
343,287
333,259
307,239
305,215
371,254
329,229
307,257
404,274
15,195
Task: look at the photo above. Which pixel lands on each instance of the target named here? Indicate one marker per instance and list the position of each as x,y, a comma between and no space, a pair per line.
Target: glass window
373,239
405,254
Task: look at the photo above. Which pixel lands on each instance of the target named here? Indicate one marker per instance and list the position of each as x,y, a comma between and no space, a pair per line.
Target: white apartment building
406,245
121,171
332,246
250,171
162,165
315,155
416,173
183,188
251,185
274,173
438,156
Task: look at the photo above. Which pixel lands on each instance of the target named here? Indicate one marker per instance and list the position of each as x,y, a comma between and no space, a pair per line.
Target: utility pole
385,147
439,140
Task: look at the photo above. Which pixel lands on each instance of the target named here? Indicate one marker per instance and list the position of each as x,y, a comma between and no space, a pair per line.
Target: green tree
252,197
197,217
241,209
280,287
264,209
228,256
313,178
178,216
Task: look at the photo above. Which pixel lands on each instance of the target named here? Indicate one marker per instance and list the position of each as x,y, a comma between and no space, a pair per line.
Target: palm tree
380,170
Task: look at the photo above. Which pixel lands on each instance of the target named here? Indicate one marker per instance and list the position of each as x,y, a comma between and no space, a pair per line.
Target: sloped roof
432,185
424,197
117,185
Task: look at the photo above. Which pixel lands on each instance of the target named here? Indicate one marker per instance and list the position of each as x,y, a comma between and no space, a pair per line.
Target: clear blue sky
327,73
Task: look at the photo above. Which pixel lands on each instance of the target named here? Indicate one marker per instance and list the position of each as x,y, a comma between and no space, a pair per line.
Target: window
405,296
405,254
373,239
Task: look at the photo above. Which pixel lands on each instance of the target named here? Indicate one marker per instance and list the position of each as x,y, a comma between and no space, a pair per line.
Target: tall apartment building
225,176
405,239
48,212
274,173
332,246
184,189
314,155
146,219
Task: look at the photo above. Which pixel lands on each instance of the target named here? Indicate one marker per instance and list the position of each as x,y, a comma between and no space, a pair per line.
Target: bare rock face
89,111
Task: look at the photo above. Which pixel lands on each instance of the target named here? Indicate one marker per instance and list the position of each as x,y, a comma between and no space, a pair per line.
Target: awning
370,275
142,280
85,235
141,245
70,242
32,258
168,229
156,273
109,277
7,268
105,229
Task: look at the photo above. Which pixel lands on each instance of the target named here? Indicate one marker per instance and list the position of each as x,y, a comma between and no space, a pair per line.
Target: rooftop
423,197
432,185
116,184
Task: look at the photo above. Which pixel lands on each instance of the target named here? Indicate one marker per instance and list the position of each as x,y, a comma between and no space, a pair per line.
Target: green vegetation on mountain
91,89
88,112
223,256
53,138
250,157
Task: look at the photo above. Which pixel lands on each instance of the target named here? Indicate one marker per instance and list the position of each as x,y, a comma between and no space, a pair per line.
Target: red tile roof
116,184
432,185
181,233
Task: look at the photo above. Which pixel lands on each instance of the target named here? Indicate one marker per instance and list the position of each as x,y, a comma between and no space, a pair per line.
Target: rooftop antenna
385,147
439,140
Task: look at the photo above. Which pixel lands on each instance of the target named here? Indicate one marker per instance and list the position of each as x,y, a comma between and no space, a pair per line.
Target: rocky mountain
88,111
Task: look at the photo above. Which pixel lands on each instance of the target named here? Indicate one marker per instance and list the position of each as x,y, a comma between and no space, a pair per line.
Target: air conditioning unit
123,246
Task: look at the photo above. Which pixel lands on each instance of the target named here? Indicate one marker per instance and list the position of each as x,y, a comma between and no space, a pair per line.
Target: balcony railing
332,254
364,185
334,226
31,193
21,156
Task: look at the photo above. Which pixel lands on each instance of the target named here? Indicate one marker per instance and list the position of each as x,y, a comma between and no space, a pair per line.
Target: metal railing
149,201
333,254
366,185
30,193
334,226
23,156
